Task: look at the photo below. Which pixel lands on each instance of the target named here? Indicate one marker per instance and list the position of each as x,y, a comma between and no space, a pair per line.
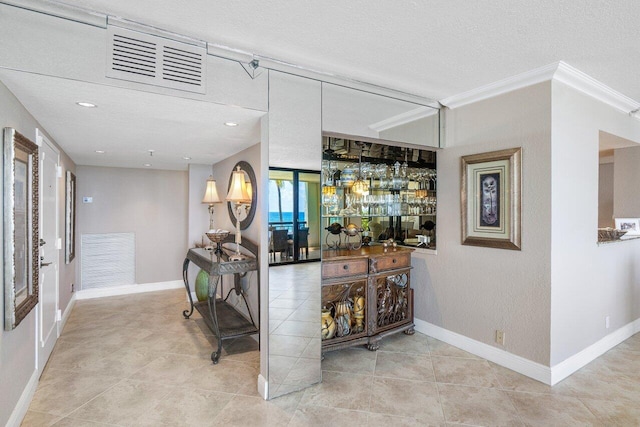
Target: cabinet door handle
346,266
394,260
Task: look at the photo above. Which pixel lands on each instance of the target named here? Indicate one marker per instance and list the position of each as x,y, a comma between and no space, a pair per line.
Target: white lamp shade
211,193
238,189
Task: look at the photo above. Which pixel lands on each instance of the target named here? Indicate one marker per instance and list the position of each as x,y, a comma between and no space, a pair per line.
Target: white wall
589,281
150,203
471,290
17,347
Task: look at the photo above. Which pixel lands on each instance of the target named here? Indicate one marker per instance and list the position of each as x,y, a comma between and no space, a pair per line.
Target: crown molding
582,82
500,87
558,71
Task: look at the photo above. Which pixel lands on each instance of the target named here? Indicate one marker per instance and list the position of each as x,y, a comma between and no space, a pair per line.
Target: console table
220,316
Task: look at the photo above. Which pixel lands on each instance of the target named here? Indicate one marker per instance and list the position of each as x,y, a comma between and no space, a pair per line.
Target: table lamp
211,198
238,194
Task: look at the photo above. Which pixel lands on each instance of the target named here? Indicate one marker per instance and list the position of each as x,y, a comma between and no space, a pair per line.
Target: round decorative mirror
247,210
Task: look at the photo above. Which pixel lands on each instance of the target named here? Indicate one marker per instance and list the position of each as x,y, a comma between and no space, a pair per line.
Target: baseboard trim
263,387
128,289
568,366
67,313
501,357
21,408
548,375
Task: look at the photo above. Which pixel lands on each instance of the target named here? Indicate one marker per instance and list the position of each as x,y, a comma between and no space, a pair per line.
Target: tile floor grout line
373,378
442,411
520,415
95,397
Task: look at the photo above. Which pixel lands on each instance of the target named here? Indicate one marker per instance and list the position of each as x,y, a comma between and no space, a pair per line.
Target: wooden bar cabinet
366,295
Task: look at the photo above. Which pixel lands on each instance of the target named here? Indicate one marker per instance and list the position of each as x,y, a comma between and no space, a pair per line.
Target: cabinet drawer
351,267
390,262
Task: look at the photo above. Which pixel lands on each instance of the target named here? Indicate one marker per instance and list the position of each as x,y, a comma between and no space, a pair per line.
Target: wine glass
366,201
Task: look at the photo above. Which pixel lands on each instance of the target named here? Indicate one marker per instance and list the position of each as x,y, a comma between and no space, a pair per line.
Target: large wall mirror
300,112
347,111
295,140
21,238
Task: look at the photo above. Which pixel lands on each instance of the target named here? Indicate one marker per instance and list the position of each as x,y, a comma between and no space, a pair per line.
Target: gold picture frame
70,218
491,199
21,235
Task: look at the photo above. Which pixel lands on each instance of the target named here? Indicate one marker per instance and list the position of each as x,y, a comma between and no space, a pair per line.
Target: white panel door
49,256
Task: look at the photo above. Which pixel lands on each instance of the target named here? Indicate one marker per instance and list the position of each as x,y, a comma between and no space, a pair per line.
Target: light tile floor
133,361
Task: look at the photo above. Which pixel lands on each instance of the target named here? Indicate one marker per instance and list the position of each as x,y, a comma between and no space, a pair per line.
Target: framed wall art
491,199
630,225
70,218
21,235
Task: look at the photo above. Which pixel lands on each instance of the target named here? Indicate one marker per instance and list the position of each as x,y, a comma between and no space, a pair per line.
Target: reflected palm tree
280,186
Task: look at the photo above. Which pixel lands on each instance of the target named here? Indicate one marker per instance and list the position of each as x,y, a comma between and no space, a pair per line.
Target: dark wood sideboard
367,295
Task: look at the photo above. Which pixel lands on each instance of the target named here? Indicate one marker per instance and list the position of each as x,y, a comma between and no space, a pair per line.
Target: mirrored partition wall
301,111
355,113
295,140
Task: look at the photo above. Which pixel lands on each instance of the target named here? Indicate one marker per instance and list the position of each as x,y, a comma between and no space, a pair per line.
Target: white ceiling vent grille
157,61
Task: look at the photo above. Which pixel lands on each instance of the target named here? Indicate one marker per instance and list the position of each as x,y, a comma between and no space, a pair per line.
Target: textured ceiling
431,48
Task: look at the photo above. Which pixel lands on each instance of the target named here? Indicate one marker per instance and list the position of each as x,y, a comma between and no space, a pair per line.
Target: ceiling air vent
157,61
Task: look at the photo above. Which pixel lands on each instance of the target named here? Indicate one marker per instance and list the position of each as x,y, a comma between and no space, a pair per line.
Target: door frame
42,140
295,182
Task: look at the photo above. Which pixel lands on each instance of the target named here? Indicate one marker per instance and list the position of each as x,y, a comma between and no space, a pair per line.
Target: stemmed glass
366,201
381,172
432,178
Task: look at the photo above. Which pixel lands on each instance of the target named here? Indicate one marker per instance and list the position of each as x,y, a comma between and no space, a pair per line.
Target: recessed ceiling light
148,165
86,104
100,151
186,158
230,124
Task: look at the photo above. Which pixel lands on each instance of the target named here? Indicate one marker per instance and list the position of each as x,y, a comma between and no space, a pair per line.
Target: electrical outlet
500,337
73,288
607,322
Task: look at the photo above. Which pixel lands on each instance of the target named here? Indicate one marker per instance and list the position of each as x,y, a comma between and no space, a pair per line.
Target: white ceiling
127,124
431,48
435,49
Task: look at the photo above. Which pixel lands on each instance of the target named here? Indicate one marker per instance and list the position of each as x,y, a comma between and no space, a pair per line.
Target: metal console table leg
213,289
185,279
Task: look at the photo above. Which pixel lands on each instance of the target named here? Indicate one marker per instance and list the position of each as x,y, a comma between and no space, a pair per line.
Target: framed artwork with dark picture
491,198
630,225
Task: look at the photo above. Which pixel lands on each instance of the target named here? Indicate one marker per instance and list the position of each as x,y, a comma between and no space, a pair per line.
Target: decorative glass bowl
217,236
